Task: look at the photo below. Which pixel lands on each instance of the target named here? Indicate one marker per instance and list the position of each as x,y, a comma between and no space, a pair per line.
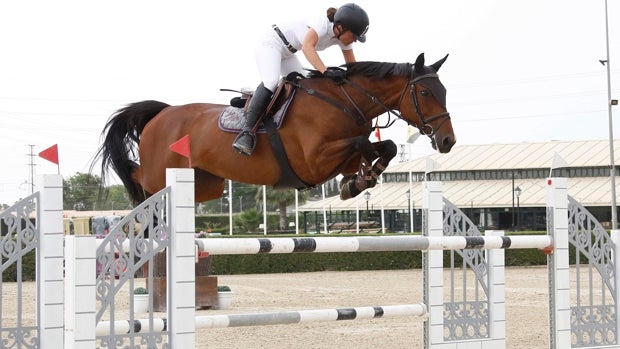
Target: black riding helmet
353,18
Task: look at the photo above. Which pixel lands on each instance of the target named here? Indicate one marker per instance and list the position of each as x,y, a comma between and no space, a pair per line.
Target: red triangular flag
182,147
50,154
378,134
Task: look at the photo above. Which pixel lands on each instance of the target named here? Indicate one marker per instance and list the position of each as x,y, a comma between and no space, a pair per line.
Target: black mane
372,69
379,69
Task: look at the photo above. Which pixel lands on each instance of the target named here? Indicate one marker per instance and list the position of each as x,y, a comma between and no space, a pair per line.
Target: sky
518,70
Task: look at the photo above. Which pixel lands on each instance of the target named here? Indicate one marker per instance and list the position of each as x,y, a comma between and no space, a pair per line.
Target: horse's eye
425,93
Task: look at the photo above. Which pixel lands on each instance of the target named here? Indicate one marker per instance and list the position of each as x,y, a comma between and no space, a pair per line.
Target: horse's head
413,90
426,107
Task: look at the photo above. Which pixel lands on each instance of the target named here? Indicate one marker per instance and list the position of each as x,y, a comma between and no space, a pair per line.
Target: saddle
232,118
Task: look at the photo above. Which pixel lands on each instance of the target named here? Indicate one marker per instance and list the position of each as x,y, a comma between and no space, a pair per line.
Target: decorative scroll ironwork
593,315
131,244
469,318
19,235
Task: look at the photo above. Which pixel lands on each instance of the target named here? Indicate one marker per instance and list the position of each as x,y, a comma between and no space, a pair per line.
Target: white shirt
275,60
297,30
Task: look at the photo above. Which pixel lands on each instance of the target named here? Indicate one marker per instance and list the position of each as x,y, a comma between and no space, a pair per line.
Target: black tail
121,137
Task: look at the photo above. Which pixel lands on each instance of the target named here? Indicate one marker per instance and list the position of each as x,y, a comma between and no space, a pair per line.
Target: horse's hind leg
351,186
133,185
208,186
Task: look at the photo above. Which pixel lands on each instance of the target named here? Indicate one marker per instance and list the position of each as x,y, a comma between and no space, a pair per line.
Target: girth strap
288,178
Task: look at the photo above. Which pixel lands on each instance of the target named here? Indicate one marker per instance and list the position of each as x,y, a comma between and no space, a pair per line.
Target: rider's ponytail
330,14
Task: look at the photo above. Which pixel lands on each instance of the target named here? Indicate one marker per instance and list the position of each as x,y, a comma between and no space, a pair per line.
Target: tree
117,199
243,200
281,199
249,219
81,191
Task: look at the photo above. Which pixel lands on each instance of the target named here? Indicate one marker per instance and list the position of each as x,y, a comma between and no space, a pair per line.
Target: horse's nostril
447,143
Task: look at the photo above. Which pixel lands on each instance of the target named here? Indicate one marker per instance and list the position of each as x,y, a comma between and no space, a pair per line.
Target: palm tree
281,199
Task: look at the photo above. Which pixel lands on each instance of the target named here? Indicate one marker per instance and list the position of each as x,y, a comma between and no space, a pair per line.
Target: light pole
224,197
408,195
517,194
513,201
412,215
610,102
367,197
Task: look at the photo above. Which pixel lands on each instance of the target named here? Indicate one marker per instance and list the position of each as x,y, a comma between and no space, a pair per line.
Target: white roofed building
481,180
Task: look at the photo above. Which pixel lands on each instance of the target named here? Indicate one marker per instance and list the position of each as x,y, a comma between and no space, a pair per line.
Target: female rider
275,57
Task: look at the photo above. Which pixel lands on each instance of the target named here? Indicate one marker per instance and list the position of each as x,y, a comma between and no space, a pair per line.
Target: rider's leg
271,65
246,140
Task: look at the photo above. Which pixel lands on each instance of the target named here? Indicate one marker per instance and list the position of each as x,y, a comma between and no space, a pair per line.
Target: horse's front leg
385,151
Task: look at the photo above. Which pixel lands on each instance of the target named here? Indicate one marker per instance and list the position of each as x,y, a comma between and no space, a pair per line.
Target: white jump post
497,295
615,237
432,263
181,259
50,258
432,204
80,290
558,265
80,273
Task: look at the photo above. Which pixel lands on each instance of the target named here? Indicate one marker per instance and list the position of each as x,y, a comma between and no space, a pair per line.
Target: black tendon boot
246,140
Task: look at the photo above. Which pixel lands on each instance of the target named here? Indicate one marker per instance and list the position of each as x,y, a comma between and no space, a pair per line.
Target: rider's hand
335,74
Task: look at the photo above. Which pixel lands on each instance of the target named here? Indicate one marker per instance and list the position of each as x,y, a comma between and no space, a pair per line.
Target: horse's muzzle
443,144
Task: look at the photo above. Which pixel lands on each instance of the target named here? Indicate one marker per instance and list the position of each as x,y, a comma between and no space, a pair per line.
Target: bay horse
325,134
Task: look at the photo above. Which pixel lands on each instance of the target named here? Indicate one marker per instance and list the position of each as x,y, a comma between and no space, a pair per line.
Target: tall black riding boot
246,140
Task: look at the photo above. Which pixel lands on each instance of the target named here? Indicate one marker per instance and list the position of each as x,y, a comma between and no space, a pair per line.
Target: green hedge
350,261
28,269
308,262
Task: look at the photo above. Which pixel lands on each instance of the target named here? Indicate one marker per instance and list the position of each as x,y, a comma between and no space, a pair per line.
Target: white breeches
274,60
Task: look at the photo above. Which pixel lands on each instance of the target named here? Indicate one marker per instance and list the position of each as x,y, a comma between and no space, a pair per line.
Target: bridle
360,118
426,128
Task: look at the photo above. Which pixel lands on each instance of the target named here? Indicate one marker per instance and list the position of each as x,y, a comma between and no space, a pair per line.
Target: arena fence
95,272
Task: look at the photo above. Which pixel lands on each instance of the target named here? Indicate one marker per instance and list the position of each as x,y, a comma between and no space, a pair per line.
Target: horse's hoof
345,182
349,191
344,193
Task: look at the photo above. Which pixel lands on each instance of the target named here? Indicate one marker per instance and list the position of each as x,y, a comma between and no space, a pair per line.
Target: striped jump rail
224,246
269,318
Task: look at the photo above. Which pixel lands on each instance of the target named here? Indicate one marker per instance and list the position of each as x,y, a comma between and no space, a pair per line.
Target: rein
358,117
425,128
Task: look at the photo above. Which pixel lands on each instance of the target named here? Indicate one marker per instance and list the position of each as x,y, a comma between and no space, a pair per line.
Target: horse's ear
419,64
438,64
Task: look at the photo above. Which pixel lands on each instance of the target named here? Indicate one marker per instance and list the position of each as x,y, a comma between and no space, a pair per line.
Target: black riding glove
335,74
